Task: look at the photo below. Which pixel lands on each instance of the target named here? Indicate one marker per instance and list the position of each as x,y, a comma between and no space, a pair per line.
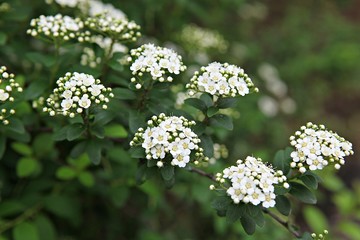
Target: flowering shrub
117,129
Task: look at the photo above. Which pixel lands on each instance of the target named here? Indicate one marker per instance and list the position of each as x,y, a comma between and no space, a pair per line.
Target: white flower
3,95
76,92
221,80
251,181
159,62
316,147
169,137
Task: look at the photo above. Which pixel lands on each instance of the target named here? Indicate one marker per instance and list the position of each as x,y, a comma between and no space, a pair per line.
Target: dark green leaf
282,161
16,125
25,231
103,117
207,99
37,57
222,120
119,195
74,131
98,131
283,205
226,102
212,111
169,183
306,236
208,145
115,131
167,172
151,163
309,180
136,120
248,224
196,103
280,190
34,90
93,150
26,167
79,149
10,207
63,206
137,152
60,134
45,228
123,94
302,193
259,219
2,145
2,38
221,203
234,212
65,173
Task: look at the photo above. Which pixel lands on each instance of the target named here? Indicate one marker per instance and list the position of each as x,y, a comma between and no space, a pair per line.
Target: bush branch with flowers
87,119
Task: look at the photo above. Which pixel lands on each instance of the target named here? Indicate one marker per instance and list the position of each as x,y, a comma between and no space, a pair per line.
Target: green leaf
115,131
93,150
248,224
196,103
151,163
81,162
3,38
37,57
306,236
26,167
137,152
25,231
16,125
136,120
282,160
79,149
221,203
222,120
10,207
22,148
302,193
283,205
309,180
119,195
86,178
116,65
208,145
2,145
169,183
167,172
259,219
98,131
102,118
64,206
315,219
65,173
349,228
43,144
34,90
60,134
226,102
45,228
74,131
212,111
207,99
123,94
234,212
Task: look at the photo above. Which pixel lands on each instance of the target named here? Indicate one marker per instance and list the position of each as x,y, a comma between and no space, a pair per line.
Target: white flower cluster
114,28
105,43
169,139
157,61
8,85
221,80
199,39
220,151
316,147
89,58
59,28
92,7
252,182
75,93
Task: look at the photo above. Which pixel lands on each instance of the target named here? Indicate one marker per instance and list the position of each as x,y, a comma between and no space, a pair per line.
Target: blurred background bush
303,56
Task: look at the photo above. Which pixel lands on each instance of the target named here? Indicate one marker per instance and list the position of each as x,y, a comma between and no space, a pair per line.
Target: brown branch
285,224
202,173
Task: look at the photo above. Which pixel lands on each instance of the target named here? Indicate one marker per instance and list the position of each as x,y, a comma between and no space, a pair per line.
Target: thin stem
27,214
106,59
85,117
284,223
143,98
202,173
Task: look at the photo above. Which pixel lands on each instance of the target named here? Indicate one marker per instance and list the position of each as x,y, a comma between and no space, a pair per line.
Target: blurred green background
303,56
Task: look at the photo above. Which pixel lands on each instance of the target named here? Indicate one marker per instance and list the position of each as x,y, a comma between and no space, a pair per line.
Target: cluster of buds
251,181
223,80
122,30
75,93
58,28
159,62
198,39
169,140
320,236
8,86
220,152
317,147
89,58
